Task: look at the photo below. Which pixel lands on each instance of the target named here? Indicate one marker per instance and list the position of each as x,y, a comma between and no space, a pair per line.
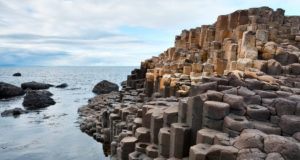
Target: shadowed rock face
8,90
37,99
105,87
35,85
233,86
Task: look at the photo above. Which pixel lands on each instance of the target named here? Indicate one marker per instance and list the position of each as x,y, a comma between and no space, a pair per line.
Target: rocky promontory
226,91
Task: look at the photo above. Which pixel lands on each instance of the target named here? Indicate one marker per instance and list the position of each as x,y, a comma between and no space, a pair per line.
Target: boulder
222,152
273,67
35,85
63,85
237,123
9,90
38,99
17,74
13,112
295,68
269,50
290,124
287,148
258,112
249,140
251,154
274,156
105,87
237,104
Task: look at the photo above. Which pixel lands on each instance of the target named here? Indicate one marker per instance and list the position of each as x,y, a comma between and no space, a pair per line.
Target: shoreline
230,90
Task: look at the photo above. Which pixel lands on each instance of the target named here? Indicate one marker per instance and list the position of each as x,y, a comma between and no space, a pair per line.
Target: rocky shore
225,91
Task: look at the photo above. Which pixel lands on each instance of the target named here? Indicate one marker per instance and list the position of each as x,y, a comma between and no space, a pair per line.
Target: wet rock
105,87
13,112
17,74
63,85
9,90
35,85
38,99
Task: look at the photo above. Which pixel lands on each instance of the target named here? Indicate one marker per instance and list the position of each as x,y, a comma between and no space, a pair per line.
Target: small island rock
35,85
9,90
63,85
17,74
38,99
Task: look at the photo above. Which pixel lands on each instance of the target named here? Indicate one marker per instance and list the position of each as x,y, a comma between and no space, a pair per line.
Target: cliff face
226,91
253,40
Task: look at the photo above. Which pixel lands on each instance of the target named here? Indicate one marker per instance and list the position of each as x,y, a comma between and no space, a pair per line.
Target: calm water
53,133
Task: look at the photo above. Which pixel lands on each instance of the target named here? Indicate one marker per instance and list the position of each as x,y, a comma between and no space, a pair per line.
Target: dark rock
105,87
13,112
38,99
8,90
17,74
35,85
63,85
295,68
124,83
274,67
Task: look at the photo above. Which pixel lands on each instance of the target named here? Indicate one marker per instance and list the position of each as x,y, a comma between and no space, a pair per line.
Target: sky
105,32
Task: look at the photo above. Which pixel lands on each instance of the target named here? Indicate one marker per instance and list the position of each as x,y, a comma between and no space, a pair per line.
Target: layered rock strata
230,90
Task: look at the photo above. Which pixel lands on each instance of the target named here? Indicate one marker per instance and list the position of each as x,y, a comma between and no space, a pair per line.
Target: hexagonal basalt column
164,141
180,140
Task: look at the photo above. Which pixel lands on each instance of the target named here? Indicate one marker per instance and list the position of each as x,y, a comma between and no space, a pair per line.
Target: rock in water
63,85
105,87
38,99
9,90
17,74
13,112
35,85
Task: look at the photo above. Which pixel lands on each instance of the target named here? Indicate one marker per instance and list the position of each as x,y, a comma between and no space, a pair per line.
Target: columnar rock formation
230,90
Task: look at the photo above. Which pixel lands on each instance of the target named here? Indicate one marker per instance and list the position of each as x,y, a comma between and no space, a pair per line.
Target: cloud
104,32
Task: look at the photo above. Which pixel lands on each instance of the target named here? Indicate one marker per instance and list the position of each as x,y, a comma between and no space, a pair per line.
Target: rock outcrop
105,87
35,85
35,99
9,90
230,90
13,112
63,85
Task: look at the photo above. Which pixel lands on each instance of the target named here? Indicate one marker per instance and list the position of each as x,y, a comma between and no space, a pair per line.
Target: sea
53,133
